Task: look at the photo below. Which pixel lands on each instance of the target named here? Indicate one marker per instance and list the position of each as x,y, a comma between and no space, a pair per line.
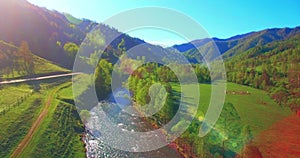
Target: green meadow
254,106
60,131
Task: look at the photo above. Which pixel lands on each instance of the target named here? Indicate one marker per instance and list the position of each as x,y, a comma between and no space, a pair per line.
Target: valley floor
55,128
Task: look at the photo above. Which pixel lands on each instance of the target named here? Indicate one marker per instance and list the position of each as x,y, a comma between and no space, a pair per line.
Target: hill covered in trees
273,67
50,34
237,44
19,61
267,59
47,32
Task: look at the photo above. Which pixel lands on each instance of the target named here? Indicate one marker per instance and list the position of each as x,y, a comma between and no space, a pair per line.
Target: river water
95,146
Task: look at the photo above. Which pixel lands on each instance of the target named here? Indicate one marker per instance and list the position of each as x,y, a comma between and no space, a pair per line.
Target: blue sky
220,18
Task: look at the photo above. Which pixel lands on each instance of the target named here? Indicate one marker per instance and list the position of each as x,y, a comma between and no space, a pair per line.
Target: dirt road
22,145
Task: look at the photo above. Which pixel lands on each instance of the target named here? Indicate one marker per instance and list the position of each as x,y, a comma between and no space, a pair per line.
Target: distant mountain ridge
237,44
47,31
201,42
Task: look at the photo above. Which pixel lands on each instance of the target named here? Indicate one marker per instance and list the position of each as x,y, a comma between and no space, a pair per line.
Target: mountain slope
11,63
41,28
236,45
47,32
261,38
202,42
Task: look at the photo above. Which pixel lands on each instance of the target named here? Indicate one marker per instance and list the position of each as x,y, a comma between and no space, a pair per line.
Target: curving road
39,78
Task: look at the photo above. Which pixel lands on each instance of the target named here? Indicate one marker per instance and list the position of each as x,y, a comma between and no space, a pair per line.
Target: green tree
294,104
103,79
280,95
71,49
256,81
84,115
265,78
27,56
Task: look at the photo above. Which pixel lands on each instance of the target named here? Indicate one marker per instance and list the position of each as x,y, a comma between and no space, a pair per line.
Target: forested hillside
273,67
237,44
48,33
267,60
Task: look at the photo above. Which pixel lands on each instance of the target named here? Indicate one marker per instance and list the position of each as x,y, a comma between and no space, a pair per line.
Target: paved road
39,78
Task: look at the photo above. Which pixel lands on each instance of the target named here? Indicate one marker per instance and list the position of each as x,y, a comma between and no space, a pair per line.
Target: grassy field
66,93
9,95
16,121
255,107
41,66
59,134
45,66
